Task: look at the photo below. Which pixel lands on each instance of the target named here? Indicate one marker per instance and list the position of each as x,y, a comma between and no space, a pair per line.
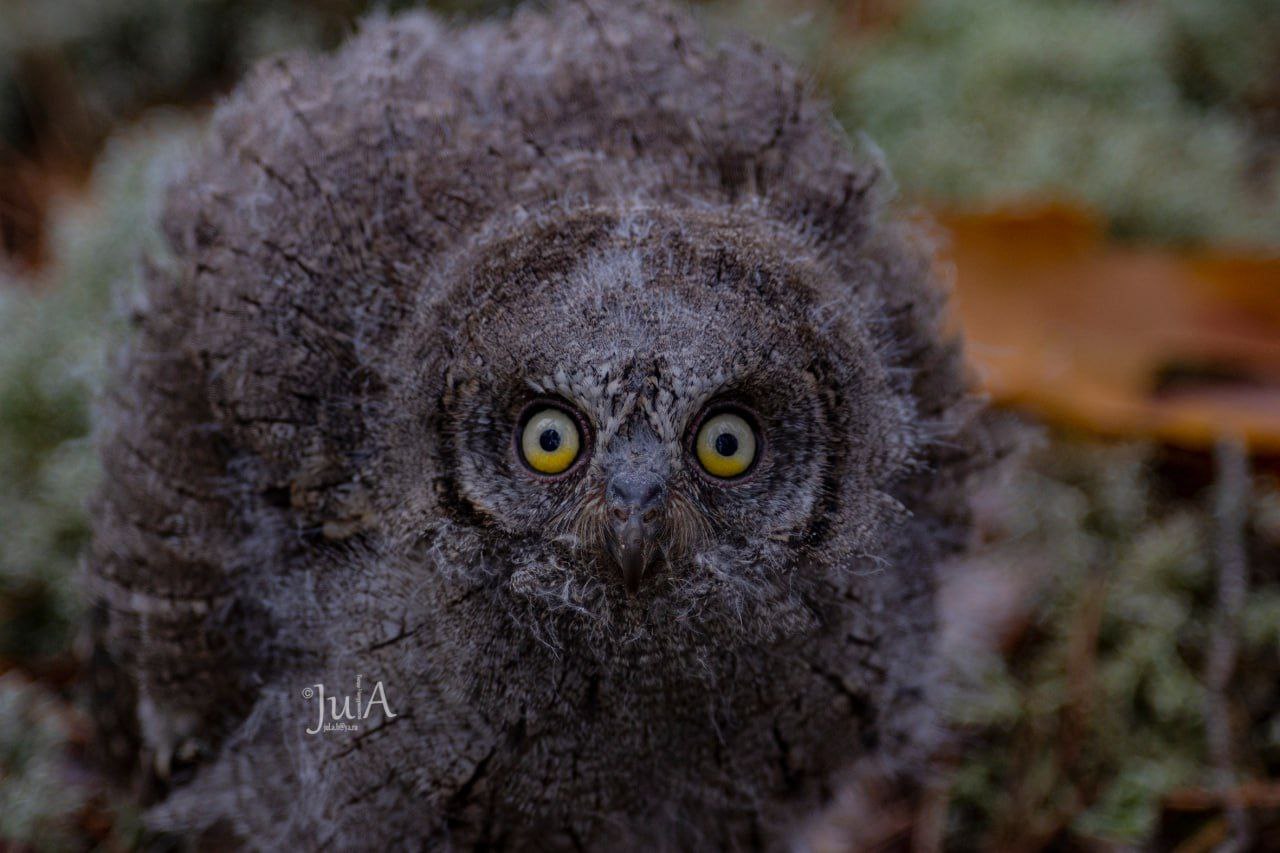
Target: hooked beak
635,510
634,547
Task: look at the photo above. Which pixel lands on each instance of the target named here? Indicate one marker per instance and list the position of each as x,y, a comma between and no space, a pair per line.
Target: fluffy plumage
379,260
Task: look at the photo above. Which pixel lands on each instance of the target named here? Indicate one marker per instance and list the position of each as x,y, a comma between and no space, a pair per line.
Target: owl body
563,378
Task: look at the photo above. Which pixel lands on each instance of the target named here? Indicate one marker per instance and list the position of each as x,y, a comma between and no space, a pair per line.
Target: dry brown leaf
1114,339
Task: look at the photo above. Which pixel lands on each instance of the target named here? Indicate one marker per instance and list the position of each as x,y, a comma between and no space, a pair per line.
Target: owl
537,434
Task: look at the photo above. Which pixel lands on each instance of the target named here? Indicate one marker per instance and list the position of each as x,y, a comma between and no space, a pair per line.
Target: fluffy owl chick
560,379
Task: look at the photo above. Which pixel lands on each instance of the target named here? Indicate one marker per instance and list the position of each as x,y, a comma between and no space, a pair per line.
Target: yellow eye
550,441
726,445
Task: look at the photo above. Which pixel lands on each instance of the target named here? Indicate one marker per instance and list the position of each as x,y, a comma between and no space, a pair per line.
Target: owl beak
635,502
632,548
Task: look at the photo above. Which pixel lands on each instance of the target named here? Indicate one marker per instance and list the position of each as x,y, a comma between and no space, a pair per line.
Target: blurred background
1103,180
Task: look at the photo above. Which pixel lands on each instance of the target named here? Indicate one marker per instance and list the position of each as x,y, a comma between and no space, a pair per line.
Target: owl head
650,423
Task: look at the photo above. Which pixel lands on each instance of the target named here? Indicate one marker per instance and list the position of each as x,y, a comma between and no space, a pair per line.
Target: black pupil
726,444
549,440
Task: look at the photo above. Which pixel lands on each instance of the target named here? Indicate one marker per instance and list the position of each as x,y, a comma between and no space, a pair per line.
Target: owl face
654,425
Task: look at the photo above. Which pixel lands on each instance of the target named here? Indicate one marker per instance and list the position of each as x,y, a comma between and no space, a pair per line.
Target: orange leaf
1118,340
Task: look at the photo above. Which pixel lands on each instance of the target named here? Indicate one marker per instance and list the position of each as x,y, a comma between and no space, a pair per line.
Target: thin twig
1254,794
1230,513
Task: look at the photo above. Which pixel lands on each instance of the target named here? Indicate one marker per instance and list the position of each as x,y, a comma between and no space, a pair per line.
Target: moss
1097,710
1084,101
47,799
36,802
1151,113
52,354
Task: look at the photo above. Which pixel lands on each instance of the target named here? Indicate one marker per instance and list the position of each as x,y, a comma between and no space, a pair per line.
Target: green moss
1147,112
52,355
1097,712
1083,101
47,800
37,803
